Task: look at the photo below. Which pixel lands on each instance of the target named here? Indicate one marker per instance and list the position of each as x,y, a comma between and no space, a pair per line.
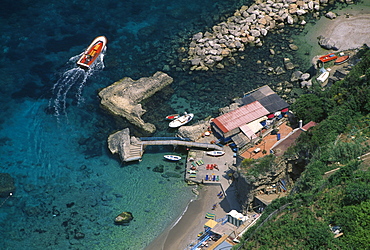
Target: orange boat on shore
341,59
92,52
328,57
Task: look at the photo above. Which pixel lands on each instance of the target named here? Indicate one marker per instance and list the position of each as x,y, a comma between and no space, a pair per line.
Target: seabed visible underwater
69,187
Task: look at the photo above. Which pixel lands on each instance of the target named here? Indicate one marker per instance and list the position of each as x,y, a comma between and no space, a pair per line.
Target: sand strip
193,220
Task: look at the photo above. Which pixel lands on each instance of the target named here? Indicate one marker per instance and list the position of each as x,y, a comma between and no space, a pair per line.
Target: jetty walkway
189,144
134,151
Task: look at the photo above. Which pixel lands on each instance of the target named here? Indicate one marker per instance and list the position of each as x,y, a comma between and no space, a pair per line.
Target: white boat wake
75,76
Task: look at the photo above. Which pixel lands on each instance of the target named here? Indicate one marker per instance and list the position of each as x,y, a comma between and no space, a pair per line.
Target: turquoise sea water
53,132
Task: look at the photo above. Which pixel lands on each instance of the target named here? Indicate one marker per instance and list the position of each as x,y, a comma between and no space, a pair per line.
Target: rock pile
247,26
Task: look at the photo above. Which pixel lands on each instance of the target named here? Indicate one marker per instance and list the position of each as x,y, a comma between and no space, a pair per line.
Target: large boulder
123,98
327,43
123,218
6,185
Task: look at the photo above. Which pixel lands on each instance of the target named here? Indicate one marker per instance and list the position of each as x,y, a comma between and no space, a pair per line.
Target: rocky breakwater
123,98
248,25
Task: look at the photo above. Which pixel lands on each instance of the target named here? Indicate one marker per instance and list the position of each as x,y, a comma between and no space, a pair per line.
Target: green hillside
326,210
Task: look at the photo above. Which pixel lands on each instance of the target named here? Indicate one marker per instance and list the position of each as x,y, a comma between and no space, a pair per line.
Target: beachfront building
236,218
257,110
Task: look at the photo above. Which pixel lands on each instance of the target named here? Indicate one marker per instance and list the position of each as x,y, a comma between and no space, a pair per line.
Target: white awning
250,129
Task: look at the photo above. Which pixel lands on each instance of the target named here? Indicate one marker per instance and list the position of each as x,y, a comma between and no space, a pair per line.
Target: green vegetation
319,200
259,166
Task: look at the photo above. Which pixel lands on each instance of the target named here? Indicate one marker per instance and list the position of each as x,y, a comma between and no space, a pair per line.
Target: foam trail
72,76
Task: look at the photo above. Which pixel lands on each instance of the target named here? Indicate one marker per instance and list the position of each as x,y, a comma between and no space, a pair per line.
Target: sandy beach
349,30
192,221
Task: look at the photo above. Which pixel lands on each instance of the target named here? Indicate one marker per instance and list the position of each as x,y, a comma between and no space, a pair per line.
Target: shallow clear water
53,132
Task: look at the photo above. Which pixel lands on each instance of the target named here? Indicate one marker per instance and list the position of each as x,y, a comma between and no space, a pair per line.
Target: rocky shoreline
248,25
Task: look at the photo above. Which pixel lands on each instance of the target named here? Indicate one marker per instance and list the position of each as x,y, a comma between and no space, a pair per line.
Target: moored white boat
182,120
92,52
323,77
172,157
215,153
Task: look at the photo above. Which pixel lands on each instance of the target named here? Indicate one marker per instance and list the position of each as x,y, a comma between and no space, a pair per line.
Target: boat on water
182,120
92,52
341,59
323,77
328,57
172,117
215,153
172,157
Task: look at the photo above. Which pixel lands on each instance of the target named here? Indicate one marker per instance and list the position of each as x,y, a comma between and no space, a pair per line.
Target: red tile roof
309,125
238,117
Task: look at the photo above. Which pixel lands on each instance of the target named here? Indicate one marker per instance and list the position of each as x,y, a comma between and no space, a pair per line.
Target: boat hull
215,153
328,57
341,60
172,157
92,52
182,120
323,77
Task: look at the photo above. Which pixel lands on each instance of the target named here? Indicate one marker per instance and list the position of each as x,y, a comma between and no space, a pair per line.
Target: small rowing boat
328,57
92,52
341,59
323,77
172,157
215,153
182,120
172,117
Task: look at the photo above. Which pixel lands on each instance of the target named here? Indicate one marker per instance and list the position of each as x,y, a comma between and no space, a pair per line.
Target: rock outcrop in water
123,218
123,98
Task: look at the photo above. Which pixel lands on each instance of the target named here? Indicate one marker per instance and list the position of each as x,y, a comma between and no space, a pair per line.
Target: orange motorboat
92,52
328,57
341,59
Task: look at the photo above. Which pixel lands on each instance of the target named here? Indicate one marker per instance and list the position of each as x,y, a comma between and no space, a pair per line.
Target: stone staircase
135,152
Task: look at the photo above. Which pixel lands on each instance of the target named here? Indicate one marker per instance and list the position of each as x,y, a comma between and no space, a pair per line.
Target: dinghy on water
182,120
92,52
172,157
172,117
